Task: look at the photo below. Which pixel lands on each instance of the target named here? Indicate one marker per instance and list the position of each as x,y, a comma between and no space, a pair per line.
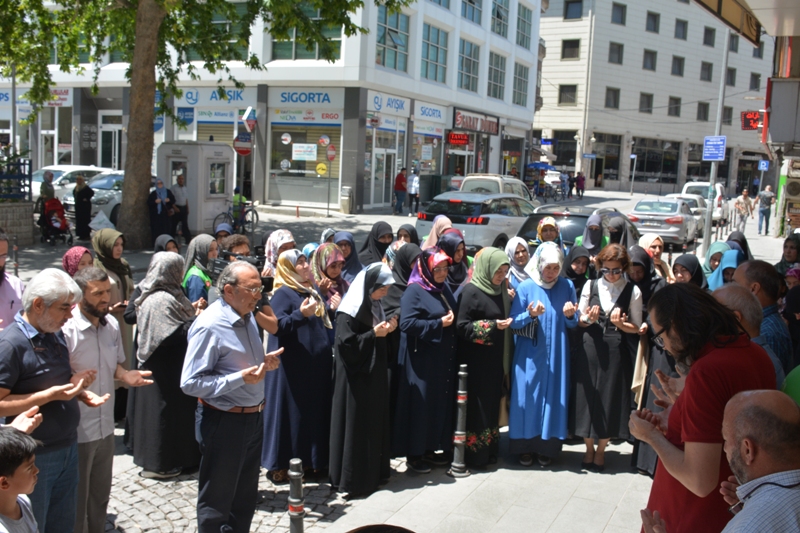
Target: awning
737,15
547,154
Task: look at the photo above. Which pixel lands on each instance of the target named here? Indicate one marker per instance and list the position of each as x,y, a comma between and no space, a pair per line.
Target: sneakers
526,459
544,461
418,465
411,214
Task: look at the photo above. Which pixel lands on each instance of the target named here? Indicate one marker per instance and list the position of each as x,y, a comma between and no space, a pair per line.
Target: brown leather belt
240,410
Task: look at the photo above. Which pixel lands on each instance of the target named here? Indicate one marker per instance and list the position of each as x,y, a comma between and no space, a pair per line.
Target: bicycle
553,192
246,222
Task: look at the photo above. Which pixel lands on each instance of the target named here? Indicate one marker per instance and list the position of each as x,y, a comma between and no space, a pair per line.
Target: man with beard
95,345
35,371
11,287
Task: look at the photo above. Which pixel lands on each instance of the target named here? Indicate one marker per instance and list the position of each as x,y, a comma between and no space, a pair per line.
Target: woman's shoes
160,475
526,459
544,461
587,466
418,465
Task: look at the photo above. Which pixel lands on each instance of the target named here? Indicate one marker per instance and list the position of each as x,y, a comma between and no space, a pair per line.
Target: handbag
528,331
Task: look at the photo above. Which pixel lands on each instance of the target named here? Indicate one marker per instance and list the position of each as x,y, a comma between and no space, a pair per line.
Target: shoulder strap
624,299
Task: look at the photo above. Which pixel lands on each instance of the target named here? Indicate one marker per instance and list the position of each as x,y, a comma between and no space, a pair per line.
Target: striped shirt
776,334
769,504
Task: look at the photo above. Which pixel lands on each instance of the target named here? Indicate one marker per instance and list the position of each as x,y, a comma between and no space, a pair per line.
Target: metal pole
296,500
717,129
14,109
459,467
760,183
634,172
328,210
15,254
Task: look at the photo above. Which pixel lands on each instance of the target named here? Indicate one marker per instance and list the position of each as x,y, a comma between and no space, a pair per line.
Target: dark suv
572,221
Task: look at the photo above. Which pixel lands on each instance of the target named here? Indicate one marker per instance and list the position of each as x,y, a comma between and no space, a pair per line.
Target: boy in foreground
18,475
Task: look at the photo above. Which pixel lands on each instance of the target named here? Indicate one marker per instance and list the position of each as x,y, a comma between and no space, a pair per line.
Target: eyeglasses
657,340
255,291
441,269
614,271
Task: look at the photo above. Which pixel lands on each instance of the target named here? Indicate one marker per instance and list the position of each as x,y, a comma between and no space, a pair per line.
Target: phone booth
207,170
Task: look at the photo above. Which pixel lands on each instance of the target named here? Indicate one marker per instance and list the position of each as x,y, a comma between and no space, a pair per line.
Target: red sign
751,120
460,139
331,152
243,144
467,120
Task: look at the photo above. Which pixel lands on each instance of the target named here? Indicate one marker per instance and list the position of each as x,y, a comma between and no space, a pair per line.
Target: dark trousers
229,469
181,218
411,199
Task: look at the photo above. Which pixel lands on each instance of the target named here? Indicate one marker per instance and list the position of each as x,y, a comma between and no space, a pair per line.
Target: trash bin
346,200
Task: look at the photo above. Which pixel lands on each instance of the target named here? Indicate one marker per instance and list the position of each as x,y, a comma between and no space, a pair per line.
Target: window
702,111
709,36
733,44
681,29
612,98
618,13
645,103
755,82
571,49
567,94
497,76
444,3
573,9
758,51
290,49
434,53
649,61
674,109
468,55
730,77
706,71
677,65
392,40
221,25
500,17
727,115
520,94
653,22
615,51
524,24
472,10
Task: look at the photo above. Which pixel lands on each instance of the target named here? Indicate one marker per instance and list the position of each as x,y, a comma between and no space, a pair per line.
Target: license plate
651,223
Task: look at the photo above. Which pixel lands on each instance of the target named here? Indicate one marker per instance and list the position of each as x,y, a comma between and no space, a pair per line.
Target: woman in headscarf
327,267
360,431
83,208
484,340
163,416
687,269
196,275
309,250
540,370
160,202
408,233
327,236
391,253
297,415
592,239
548,231
75,259
576,269
739,238
278,242
378,240
789,258
518,253
166,243
714,256
352,266
426,365
452,244
618,231
610,307
440,224
727,266
654,245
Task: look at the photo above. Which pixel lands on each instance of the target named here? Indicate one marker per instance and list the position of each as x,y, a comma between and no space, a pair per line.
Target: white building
642,77
446,86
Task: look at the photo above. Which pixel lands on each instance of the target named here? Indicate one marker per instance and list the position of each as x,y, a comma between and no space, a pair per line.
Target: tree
157,38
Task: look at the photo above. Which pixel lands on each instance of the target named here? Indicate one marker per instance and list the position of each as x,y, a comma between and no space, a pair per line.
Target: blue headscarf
730,259
161,192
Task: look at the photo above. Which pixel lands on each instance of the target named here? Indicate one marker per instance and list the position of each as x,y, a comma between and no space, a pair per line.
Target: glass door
110,154
378,175
389,174
48,149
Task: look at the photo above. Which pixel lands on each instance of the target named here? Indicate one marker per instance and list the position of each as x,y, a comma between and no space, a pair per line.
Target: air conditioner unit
793,180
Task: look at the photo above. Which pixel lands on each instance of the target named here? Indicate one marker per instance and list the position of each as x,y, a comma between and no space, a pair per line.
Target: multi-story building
642,78
446,86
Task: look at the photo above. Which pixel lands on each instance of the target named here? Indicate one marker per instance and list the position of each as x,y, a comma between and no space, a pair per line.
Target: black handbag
528,331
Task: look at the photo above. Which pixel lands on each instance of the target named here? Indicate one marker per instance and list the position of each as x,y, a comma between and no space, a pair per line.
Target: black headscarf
620,236
162,241
458,272
412,231
593,239
650,283
373,250
404,262
739,238
352,266
567,272
692,264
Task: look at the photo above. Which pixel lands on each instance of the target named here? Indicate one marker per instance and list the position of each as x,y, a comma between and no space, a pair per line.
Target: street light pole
633,178
717,128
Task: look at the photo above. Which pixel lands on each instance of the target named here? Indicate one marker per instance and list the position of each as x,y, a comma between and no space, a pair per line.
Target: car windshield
570,226
453,207
691,202
479,185
650,206
106,182
38,176
702,190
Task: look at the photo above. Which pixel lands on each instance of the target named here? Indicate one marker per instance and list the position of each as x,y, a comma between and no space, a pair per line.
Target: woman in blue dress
540,380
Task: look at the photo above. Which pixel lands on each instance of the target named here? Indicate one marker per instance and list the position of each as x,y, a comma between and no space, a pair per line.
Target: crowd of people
347,357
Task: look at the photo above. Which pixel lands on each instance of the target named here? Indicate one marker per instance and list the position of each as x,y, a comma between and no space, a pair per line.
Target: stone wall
17,219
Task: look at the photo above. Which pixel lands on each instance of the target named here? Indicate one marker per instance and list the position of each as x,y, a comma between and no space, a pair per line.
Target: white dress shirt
181,195
608,293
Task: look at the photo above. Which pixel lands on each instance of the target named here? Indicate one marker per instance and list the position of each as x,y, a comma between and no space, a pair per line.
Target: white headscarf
516,270
548,253
367,281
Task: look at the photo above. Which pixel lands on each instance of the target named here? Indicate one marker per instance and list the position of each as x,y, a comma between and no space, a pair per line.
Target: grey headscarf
163,307
197,254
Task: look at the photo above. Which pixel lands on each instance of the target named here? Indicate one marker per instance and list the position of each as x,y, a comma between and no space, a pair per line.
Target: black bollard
296,499
458,467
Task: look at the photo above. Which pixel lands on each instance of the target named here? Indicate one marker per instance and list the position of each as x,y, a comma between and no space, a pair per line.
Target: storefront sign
467,120
458,139
426,128
304,152
61,97
210,97
324,140
312,97
424,111
388,104
306,116
186,114
286,138
206,116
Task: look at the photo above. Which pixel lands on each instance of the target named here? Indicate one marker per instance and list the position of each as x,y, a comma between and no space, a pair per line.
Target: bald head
744,305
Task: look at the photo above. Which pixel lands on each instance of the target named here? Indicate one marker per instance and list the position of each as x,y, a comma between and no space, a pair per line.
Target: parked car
484,219
670,218
63,179
571,223
107,195
496,183
697,204
720,202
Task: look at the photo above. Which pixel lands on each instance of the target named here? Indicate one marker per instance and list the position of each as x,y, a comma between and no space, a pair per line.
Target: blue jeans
54,500
763,215
401,199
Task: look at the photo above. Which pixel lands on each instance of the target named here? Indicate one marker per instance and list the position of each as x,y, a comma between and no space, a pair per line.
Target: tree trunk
134,216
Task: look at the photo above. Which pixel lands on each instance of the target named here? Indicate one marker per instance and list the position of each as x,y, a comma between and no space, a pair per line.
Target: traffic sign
248,116
324,140
243,144
590,156
763,164
322,168
331,152
714,148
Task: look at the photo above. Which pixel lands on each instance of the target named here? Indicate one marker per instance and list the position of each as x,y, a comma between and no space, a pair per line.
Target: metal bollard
669,254
296,499
16,257
458,468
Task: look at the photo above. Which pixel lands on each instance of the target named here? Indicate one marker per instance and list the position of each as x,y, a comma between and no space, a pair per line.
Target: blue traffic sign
714,148
763,164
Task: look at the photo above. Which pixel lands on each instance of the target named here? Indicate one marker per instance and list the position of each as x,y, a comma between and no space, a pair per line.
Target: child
18,475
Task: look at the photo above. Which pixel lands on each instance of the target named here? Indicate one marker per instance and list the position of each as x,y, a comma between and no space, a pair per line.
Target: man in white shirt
413,192
181,208
744,209
95,344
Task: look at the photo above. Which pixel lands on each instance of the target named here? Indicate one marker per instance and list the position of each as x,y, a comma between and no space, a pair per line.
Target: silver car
669,218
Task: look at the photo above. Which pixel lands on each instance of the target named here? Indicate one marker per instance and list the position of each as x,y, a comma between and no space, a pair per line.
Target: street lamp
633,156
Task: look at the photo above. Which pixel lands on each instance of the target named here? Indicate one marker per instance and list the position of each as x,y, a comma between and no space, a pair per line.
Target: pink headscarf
72,258
440,224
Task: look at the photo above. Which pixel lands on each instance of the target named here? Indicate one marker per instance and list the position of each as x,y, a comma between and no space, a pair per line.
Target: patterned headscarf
422,273
391,252
286,274
326,255
103,244
276,239
72,257
546,221
548,253
440,223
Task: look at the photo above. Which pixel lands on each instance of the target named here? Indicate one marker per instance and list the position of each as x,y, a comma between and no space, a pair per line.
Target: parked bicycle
246,222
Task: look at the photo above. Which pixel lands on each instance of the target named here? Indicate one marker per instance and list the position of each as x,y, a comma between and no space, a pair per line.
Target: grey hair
230,275
85,276
738,298
51,285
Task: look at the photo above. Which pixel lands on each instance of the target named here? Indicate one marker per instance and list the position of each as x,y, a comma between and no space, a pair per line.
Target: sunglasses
614,271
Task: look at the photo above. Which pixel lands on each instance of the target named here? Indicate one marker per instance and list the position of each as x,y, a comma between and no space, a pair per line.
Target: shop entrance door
383,171
459,162
110,152
48,150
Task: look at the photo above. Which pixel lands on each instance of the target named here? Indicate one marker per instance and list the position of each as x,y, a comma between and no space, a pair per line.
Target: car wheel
114,214
500,242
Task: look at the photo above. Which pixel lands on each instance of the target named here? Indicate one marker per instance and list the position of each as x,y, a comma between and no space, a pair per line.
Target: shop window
653,23
524,25
618,13
281,156
571,49
677,65
291,49
567,94
468,56
222,26
615,53
612,98
674,108
645,103
607,149
702,111
709,36
755,82
649,60
500,17
497,76
520,94
573,9
393,31
681,29
727,115
730,77
434,53
657,161
472,10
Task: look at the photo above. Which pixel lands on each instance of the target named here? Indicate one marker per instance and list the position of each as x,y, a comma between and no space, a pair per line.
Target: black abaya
83,211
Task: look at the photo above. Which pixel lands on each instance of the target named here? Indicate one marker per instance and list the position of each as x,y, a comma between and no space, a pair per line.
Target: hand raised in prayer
593,313
643,328
503,324
28,421
536,310
267,272
618,318
324,285
87,376
200,304
158,200
272,360
308,307
728,490
447,320
673,387
569,309
659,420
652,522
93,400
642,428
334,302
64,393
137,378
511,292
254,374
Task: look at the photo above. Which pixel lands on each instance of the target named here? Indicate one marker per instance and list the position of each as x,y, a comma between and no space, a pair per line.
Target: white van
720,202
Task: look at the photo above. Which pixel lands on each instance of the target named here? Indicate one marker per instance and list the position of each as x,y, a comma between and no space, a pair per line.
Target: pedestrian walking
161,202
571,182
83,207
744,209
400,188
181,210
11,287
580,185
413,193
765,200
